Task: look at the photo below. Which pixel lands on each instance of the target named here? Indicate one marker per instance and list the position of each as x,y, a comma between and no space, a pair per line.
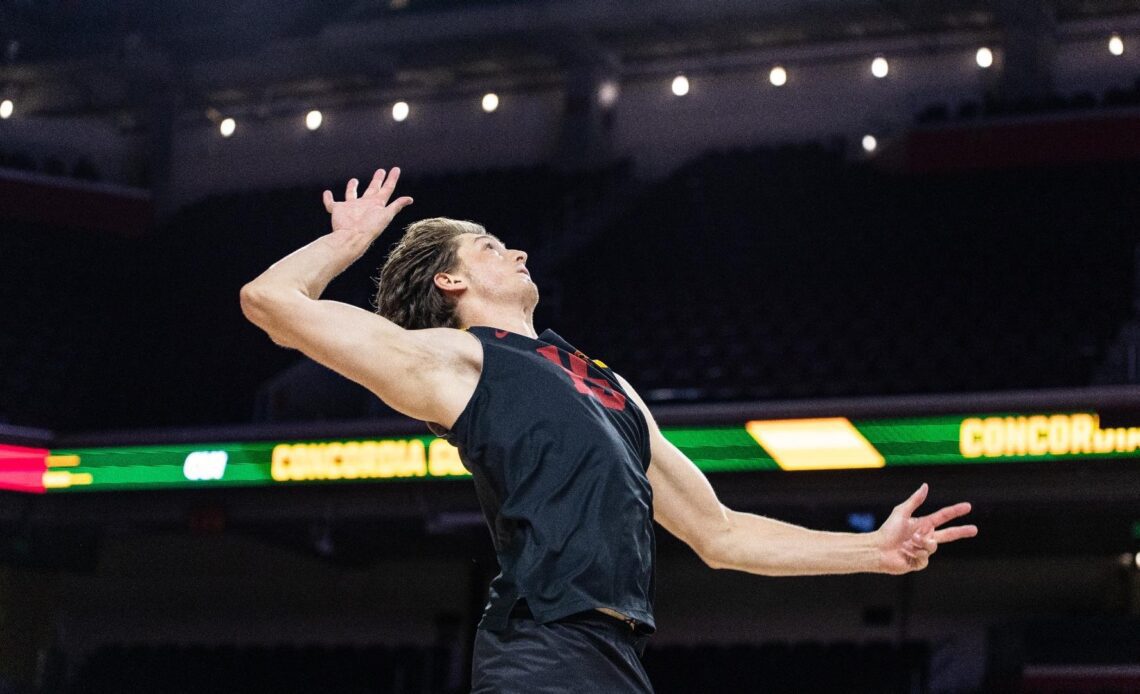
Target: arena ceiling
71,57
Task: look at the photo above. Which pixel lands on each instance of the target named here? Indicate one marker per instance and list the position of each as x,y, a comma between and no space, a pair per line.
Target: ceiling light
227,127
879,67
400,111
6,108
778,76
985,57
607,93
313,120
490,102
680,85
870,144
1116,45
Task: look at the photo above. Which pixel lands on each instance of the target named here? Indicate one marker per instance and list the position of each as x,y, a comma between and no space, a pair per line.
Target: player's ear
449,282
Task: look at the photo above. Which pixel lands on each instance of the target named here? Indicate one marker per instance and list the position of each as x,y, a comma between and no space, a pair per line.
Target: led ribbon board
784,444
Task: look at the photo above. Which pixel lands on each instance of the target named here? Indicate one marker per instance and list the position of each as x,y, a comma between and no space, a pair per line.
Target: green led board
759,445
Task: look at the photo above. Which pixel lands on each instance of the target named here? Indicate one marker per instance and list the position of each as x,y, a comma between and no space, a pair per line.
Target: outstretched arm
421,373
685,504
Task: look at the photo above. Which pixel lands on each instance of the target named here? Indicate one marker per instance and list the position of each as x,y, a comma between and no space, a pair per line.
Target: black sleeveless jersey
559,456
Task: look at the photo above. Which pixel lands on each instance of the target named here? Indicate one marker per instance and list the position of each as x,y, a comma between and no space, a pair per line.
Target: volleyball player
568,464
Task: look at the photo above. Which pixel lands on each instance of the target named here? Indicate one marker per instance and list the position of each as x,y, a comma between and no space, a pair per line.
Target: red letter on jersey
584,383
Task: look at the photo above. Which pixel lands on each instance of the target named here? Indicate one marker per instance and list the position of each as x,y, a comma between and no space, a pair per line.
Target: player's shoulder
452,343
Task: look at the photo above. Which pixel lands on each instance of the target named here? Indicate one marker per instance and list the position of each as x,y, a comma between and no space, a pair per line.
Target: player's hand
370,213
905,543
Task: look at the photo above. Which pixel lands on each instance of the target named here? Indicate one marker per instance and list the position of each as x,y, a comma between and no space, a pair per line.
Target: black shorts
586,653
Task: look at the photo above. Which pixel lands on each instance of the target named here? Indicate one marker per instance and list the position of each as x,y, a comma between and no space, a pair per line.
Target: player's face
496,270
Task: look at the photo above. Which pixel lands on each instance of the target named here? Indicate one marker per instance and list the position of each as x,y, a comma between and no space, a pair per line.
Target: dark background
735,246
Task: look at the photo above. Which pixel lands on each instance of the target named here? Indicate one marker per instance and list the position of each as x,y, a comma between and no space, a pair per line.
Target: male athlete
568,464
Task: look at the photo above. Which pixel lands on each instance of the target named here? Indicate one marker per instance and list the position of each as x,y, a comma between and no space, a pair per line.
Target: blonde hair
405,291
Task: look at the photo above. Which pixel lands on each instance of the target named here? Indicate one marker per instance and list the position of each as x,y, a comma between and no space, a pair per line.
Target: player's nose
520,255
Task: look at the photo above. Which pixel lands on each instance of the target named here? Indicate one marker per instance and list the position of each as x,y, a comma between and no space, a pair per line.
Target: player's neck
516,320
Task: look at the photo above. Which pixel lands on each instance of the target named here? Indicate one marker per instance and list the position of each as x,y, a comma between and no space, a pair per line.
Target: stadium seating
992,107
787,273
755,273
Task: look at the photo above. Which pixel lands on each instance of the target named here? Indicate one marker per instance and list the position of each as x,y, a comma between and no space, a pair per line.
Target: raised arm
425,374
685,504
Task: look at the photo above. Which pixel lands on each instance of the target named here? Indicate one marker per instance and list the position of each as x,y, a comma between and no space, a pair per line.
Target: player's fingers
393,176
400,203
945,515
916,560
350,189
958,532
915,500
376,185
327,198
921,543
385,191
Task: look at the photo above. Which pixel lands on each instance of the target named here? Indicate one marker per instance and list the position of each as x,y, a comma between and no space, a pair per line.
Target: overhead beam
1029,28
